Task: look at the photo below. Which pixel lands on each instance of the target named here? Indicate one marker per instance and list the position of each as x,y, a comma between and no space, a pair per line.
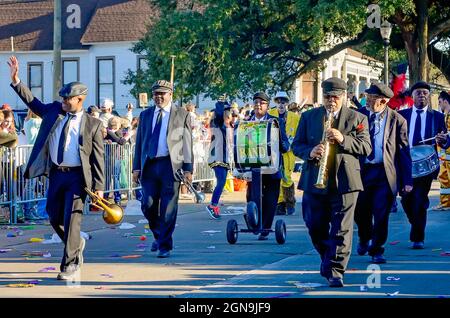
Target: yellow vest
444,154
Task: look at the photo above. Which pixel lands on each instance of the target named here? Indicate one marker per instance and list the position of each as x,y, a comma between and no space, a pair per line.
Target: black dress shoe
281,209
335,282
362,248
378,259
418,246
163,254
154,247
71,272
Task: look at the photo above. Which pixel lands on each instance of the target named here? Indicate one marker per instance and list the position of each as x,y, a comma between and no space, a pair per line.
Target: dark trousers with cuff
373,208
160,200
329,219
65,202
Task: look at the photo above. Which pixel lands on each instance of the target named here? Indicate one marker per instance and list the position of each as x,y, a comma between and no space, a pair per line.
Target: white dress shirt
71,156
380,124
163,148
423,118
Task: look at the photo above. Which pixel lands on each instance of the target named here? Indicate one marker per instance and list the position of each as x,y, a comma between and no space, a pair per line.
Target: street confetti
392,278
446,253
131,256
47,269
10,235
107,275
394,242
36,240
146,227
115,255
6,250
211,247
436,249
393,294
363,288
20,285
307,286
126,226
141,245
210,232
101,287
34,282
47,255
143,237
143,221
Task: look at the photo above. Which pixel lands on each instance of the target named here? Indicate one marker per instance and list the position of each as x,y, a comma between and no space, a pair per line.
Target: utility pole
56,49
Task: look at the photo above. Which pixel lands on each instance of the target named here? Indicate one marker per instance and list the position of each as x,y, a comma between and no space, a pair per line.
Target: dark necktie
155,136
63,138
372,135
417,137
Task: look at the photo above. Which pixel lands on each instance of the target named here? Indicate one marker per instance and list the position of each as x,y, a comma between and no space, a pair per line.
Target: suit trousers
65,202
329,219
415,205
160,200
373,208
270,193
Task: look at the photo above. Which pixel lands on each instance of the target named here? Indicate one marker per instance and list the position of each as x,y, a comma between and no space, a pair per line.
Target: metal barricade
18,194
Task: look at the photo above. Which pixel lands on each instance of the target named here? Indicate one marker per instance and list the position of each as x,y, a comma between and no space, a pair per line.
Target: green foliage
241,46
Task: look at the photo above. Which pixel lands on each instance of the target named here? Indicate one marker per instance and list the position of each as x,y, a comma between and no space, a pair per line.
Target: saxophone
322,176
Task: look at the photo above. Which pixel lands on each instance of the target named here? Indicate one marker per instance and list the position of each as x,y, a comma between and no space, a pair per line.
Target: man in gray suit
69,150
163,145
328,212
388,165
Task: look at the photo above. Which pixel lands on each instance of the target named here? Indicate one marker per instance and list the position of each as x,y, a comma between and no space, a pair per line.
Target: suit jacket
435,123
90,141
354,127
396,156
179,139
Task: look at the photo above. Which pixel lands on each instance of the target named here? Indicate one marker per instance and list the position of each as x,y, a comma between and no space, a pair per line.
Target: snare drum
424,160
257,146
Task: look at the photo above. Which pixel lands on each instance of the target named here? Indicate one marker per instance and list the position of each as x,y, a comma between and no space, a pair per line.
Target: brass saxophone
322,176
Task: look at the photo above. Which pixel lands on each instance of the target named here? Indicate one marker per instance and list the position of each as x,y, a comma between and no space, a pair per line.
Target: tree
240,46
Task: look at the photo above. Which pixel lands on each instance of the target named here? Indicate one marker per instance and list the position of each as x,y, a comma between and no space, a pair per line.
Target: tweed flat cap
334,86
73,89
162,86
420,84
261,95
381,89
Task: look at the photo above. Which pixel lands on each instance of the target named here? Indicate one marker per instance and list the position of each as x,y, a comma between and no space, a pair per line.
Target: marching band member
444,154
270,182
333,202
423,123
387,165
286,200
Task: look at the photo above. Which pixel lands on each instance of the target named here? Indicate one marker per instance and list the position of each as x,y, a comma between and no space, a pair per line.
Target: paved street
203,264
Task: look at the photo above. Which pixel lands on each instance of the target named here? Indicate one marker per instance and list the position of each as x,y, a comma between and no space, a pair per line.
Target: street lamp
385,31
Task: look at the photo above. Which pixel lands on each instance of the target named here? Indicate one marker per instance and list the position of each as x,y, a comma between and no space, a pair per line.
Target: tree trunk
422,37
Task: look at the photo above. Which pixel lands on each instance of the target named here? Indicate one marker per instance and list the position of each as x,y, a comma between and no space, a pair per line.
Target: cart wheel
280,232
252,215
232,231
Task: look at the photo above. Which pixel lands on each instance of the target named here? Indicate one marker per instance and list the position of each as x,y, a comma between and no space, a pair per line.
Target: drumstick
432,138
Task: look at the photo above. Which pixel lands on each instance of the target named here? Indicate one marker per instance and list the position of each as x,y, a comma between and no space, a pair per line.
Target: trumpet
199,196
112,213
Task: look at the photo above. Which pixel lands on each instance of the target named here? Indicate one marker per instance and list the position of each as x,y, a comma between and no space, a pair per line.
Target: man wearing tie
69,150
423,123
386,167
163,145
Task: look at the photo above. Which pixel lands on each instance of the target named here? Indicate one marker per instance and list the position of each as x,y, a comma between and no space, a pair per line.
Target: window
142,63
105,79
70,70
35,79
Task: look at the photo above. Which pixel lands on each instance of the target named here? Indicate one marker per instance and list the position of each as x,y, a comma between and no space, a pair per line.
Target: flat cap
281,94
420,84
73,89
162,86
380,89
93,109
334,86
261,95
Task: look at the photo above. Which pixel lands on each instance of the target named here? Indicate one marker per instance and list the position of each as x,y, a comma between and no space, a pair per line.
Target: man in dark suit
328,212
388,165
163,145
423,123
69,150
